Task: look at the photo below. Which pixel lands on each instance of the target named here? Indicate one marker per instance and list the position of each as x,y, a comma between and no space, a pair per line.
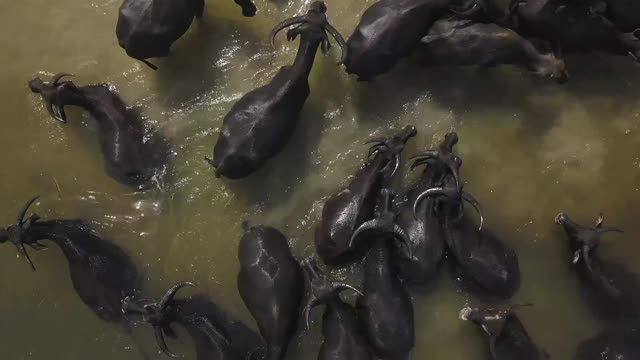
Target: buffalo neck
377,268
306,54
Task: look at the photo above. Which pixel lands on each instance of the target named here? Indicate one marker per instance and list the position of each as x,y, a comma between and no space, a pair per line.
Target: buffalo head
56,94
583,240
158,314
313,22
391,148
20,234
321,288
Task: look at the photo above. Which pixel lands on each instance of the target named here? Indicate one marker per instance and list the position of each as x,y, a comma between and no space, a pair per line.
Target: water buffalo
343,337
388,31
132,154
216,336
467,43
619,343
101,272
385,310
573,26
424,230
271,284
148,28
261,123
480,256
508,339
347,209
624,13
610,288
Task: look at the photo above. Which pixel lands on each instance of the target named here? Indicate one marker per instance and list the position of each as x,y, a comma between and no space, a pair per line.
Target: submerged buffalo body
465,43
271,284
148,28
574,26
388,31
215,334
347,209
101,272
261,123
133,154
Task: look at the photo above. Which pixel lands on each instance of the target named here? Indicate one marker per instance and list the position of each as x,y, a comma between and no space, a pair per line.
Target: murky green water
530,149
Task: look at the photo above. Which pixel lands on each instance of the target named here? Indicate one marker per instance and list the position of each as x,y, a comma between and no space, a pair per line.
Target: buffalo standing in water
480,256
424,229
385,310
102,273
216,336
343,337
508,339
388,31
466,43
347,209
148,28
261,123
612,290
574,26
620,343
132,156
271,284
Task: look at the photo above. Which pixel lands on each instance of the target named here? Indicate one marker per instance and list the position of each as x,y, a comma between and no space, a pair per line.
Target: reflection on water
530,147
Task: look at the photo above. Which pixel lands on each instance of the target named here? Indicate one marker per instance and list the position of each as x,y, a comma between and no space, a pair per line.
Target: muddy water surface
530,149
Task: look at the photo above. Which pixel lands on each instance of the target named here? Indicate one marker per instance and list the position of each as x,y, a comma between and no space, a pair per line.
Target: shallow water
530,149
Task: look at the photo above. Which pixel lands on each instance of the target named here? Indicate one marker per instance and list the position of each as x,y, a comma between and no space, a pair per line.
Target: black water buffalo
271,284
388,31
574,26
508,339
347,209
343,337
215,334
619,343
466,43
424,229
133,155
624,13
261,123
147,28
480,256
385,310
101,272
610,288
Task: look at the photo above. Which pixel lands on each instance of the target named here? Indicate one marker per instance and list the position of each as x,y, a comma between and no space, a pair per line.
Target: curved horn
376,140
340,40
168,297
56,78
162,343
343,287
284,24
306,313
473,10
51,111
24,253
476,205
367,226
396,165
25,208
427,193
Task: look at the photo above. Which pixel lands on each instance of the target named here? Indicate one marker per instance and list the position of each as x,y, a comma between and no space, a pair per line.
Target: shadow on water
195,64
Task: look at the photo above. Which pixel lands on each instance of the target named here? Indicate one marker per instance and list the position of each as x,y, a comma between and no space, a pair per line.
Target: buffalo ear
636,33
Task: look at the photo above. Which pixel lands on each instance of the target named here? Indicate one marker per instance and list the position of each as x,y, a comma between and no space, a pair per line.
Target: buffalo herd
401,234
